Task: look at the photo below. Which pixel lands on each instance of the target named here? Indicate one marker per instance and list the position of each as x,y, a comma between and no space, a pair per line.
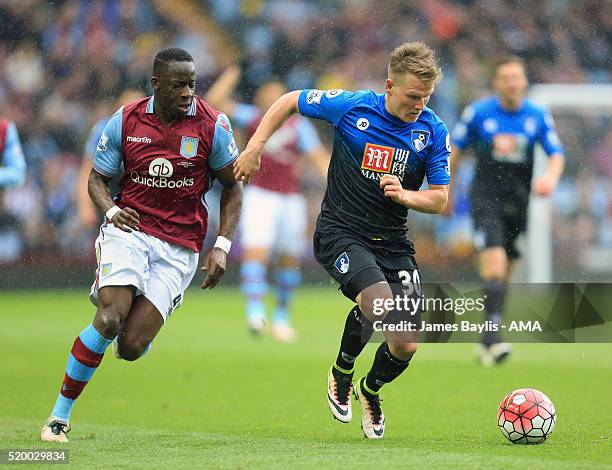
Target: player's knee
403,351
375,300
493,263
131,349
108,319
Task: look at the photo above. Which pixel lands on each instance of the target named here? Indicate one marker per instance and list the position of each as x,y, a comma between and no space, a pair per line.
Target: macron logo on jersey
138,140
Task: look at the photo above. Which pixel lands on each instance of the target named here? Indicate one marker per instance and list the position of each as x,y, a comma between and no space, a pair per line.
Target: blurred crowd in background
64,63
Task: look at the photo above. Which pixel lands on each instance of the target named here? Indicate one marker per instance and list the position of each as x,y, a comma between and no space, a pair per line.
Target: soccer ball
526,416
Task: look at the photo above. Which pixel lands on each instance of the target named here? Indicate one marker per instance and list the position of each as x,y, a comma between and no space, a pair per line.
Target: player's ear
155,83
388,86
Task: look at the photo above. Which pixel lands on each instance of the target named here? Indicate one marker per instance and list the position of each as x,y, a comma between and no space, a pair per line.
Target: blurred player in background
12,161
274,217
385,145
12,174
502,131
170,145
88,214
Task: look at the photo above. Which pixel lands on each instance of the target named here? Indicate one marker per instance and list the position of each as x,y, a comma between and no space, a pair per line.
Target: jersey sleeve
328,105
93,138
244,114
548,136
224,149
12,163
109,155
464,130
308,139
437,164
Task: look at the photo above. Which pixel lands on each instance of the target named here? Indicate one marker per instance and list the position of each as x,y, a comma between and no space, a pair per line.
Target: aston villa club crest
189,147
419,139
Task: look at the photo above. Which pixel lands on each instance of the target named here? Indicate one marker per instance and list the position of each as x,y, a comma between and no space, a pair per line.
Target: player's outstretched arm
125,219
219,94
429,201
320,159
546,184
229,213
249,161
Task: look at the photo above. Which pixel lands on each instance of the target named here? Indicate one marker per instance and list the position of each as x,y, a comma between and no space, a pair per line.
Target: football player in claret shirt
274,218
502,132
385,145
171,145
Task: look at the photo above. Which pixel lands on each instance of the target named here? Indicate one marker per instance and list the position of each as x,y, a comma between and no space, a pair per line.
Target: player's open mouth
184,107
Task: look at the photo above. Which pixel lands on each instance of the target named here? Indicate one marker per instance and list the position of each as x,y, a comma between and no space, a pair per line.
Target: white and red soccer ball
526,416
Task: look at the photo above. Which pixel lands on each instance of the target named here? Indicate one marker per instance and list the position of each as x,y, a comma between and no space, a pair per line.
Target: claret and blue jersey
167,168
369,143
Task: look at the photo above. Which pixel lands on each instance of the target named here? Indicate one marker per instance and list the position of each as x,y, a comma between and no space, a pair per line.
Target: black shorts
499,225
357,264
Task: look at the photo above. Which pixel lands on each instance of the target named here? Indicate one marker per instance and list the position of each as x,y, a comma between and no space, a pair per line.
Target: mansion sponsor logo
138,140
379,159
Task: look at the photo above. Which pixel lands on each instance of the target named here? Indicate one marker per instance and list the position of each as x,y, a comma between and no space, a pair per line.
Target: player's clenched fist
392,187
127,219
247,164
214,264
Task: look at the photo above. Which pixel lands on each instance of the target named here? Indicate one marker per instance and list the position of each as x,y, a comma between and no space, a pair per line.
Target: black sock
495,296
357,332
385,369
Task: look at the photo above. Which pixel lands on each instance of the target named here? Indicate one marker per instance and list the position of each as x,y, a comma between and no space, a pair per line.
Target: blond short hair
418,59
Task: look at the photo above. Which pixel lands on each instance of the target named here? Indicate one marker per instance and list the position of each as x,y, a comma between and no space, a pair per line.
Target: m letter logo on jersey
419,139
342,263
189,147
377,158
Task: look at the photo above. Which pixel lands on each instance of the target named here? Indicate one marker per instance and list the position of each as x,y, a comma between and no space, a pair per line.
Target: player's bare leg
495,268
287,278
139,329
114,303
253,274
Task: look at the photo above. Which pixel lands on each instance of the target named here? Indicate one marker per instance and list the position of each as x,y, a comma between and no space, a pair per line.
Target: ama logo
342,263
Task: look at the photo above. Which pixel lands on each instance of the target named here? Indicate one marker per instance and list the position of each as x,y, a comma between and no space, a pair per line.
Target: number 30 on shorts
411,281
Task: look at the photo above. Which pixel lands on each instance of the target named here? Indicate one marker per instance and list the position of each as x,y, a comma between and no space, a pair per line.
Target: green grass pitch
210,396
